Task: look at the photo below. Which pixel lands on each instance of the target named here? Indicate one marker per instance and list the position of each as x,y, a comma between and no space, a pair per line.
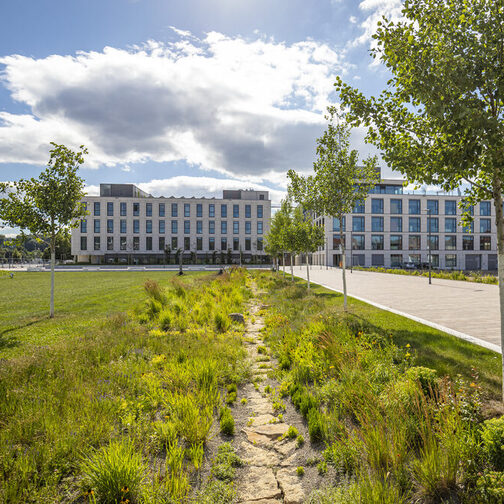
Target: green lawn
82,300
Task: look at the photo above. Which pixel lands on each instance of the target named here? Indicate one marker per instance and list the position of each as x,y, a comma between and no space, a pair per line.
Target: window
174,243
199,210
136,209
223,227
199,227
236,227
174,227
434,242
187,227
110,209
122,226
223,244
162,210
248,244
211,210
148,211
260,244
259,212
358,224
358,242
468,243
377,224
187,210
377,242
359,207
450,225
122,209
248,227
336,224
259,227
395,260
433,224
174,210
187,243
236,244
122,243
433,206
83,226
485,226
450,242
485,243
136,226
396,206
136,243
161,243
110,226
435,260
414,225
414,242
396,224
97,225
485,208
211,243
450,207
415,258
97,243
223,211
148,226
469,228
211,227
414,207
148,243
236,211
377,260
451,260
395,242
97,208
83,242
336,241
162,228
248,211
199,243
376,205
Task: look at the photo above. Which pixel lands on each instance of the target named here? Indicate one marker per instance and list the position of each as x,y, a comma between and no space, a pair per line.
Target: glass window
174,210
336,241
174,243
223,211
376,205
396,206
187,227
395,242
451,260
187,210
450,225
485,208
110,225
199,227
259,227
223,244
358,242
433,206
110,210
97,225
211,210
162,227
395,260
223,227
174,227
83,226
377,224
211,243
161,243
396,224
414,225
485,226
415,258
187,243
358,224
122,243
162,210
414,207
199,243
122,209
433,224
377,260
359,207
450,207
434,242
469,228
248,211
336,224
148,243
97,243
123,228
248,244
248,227
211,227
199,210
260,244
83,242
148,211
236,227
136,209
259,212
136,226
450,242
435,260
485,243
414,242
136,243
468,243
236,211
236,244
377,242
97,208
148,226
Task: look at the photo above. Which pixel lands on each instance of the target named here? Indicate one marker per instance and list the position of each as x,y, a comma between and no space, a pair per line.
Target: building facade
127,225
391,228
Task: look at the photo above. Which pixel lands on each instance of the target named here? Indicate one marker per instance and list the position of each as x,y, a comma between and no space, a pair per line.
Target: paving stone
273,431
257,439
286,447
262,408
262,501
291,485
255,456
293,460
264,420
259,483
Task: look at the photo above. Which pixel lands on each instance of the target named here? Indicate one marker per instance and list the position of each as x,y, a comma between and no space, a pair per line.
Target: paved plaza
466,309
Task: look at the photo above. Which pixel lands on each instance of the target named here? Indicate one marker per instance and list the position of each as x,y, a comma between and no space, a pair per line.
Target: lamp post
351,251
326,253
429,247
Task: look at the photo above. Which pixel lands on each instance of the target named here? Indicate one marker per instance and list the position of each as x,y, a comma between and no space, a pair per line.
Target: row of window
414,242
123,228
414,207
134,243
414,225
123,211
396,260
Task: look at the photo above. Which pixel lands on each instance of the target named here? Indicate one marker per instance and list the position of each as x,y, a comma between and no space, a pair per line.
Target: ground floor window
260,244
451,260
122,242
236,244
199,243
248,244
187,243
148,243
414,258
161,243
97,243
395,260
136,243
110,243
377,260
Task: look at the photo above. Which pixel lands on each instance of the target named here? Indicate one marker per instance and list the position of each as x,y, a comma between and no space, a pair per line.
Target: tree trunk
53,261
181,260
307,271
283,263
500,247
292,267
343,264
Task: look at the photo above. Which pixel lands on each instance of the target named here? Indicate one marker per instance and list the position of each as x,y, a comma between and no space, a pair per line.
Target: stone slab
291,485
255,456
259,483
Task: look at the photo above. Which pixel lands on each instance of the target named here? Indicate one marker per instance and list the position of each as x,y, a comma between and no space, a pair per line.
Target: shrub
425,376
217,492
231,398
262,350
227,424
300,441
492,437
300,471
491,487
225,462
165,319
292,432
315,425
222,322
154,291
115,471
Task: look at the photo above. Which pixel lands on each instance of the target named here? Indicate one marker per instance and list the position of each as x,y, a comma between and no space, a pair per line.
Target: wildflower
125,489
408,355
408,345
331,367
473,385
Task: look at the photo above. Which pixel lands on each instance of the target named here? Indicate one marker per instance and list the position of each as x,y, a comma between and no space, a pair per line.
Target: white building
127,225
391,228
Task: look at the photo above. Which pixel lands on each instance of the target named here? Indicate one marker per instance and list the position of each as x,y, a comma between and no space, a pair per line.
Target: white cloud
352,19
242,107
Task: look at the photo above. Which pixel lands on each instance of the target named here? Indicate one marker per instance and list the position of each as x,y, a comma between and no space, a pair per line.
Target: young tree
50,204
441,119
273,240
338,182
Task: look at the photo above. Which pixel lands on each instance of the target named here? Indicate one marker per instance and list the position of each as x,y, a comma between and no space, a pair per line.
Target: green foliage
300,471
491,487
225,463
227,423
292,432
300,441
492,437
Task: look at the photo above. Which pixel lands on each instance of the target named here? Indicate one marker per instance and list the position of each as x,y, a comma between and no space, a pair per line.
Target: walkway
465,309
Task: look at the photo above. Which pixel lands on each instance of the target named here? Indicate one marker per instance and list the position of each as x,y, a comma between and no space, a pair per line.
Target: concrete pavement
465,309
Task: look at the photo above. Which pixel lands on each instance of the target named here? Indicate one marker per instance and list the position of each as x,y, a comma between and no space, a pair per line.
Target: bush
300,471
292,432
227,424
165,319
222,322
492,437
225,462
425,376
491,487
315,425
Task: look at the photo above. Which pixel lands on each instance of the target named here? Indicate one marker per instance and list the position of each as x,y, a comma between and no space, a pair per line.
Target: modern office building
127,225
393,227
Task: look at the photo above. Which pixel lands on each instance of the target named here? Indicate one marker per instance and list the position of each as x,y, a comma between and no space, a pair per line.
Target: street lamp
326,253
430,254
351,251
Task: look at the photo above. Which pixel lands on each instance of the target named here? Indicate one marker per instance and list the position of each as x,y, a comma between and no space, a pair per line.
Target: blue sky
181,97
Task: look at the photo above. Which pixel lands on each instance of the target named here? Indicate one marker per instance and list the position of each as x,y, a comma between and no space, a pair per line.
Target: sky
181,97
